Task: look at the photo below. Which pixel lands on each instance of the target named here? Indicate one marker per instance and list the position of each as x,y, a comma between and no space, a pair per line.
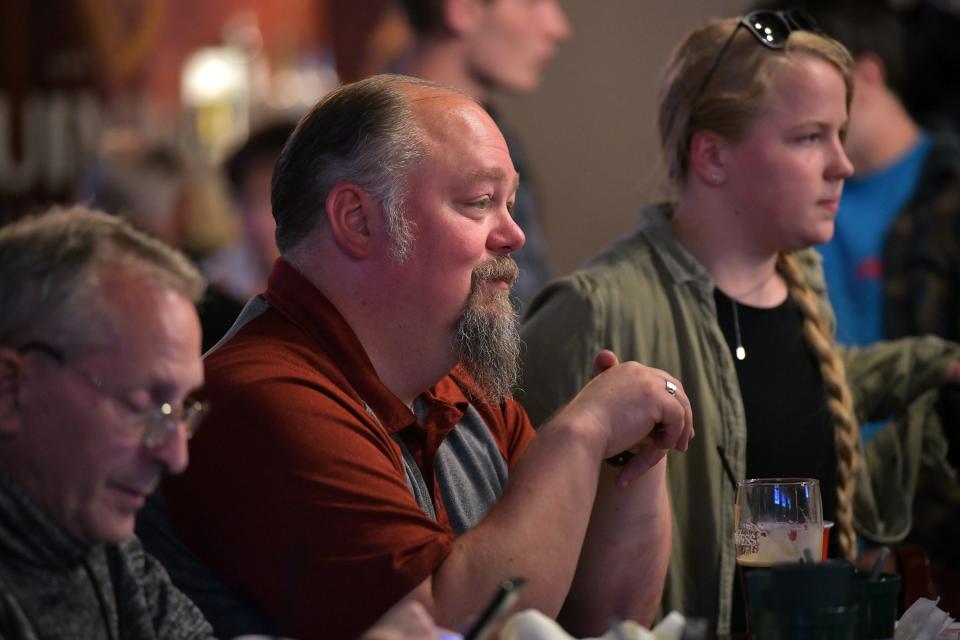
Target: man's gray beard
487,342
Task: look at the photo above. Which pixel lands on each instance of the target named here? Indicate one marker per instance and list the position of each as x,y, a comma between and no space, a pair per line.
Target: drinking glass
778,520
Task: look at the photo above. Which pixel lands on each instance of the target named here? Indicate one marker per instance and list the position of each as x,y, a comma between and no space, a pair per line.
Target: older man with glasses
99,353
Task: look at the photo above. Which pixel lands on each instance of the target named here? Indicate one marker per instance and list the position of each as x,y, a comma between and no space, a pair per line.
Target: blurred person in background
932,95
242,268
143,184
722,288
149,185
484,46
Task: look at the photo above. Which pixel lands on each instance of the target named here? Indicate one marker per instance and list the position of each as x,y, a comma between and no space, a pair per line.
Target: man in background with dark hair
483,46
249,170
241,268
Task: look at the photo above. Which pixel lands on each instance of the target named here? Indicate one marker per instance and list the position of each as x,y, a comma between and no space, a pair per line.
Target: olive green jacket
647,299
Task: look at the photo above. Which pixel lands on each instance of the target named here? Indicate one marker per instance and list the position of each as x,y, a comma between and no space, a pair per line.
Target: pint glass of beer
778,520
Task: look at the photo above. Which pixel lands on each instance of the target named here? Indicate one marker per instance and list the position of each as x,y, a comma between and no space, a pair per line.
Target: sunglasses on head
770,28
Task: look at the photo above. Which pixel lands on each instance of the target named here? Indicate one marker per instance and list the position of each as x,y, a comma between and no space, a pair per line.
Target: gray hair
51,264
364,133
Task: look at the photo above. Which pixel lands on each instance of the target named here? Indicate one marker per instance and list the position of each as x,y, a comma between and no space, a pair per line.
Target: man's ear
708,157
462,16
11,372
350,211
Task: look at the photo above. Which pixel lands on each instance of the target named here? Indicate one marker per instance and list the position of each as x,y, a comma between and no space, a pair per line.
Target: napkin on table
923,621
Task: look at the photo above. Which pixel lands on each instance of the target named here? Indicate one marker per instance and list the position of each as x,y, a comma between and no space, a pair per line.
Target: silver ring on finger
671,387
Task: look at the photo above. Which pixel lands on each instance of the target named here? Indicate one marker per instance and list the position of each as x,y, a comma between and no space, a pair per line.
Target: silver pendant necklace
740,352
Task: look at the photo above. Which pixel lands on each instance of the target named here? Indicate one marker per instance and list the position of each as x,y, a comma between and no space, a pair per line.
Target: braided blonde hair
846,434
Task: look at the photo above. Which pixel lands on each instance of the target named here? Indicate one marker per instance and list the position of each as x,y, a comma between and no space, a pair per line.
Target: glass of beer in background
778,520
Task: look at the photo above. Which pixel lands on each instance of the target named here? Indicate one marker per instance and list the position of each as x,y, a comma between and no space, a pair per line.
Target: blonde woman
721,289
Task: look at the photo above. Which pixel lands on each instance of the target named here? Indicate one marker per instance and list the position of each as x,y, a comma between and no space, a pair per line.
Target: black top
789,426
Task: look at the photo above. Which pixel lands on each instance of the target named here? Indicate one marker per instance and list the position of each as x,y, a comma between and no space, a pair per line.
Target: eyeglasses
158,422
770,28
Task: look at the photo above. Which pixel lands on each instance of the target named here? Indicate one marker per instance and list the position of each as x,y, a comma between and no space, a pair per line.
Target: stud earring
716,177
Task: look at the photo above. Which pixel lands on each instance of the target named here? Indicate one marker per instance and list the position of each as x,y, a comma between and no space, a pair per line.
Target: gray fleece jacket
54,586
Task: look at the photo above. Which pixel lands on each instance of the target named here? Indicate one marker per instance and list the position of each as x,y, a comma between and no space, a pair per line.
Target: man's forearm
534,531
538,527
625,555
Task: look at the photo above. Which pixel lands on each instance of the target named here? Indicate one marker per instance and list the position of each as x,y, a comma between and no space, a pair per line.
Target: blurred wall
590,131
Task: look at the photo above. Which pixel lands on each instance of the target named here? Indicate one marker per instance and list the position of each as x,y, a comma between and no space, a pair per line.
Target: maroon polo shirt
296,495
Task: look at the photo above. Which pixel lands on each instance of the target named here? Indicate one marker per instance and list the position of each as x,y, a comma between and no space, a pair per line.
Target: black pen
502,600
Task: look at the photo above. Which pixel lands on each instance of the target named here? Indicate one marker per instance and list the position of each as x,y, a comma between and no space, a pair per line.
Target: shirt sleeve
886,377
519,430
